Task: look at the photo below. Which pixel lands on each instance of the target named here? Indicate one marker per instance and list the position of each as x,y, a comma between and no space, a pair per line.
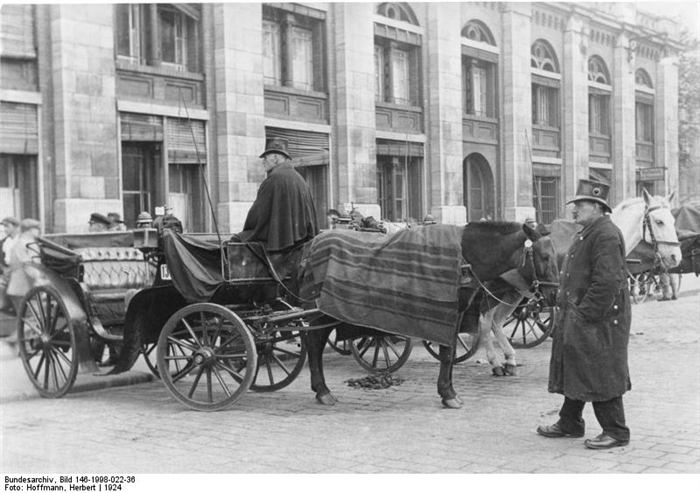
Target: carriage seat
109,274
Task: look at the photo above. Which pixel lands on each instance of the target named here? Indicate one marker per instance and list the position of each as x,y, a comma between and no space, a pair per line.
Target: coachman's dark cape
283,214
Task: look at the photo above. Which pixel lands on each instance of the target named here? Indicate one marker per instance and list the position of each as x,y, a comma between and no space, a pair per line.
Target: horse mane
498,227
636,200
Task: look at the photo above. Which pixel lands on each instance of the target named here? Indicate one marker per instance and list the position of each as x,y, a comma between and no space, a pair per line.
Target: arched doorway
478,188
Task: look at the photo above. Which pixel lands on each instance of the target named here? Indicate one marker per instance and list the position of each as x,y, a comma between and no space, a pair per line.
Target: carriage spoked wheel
150,356
467,345
530,324
642,286
47,343
281,356
206,357
340,347
381,353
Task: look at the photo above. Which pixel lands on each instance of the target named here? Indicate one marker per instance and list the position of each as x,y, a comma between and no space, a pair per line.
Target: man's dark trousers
610,415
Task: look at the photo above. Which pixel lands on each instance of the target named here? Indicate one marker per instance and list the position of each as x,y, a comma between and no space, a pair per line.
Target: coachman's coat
589,351
283,214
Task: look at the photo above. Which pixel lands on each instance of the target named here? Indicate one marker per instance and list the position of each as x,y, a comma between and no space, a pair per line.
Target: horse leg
500,315
486,338
316,340
445,389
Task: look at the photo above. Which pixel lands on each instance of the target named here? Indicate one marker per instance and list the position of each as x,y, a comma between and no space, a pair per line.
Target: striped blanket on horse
407,283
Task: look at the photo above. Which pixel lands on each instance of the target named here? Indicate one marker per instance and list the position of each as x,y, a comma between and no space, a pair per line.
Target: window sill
296,92
548,128
489,119
397,106
164,70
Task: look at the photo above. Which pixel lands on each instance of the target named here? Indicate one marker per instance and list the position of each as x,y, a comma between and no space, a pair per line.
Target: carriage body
72,317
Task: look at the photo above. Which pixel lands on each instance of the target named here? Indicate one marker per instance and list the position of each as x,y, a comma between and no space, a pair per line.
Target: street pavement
141,429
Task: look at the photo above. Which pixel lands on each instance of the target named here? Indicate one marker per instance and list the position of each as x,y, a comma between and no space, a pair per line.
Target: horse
645,218
490,250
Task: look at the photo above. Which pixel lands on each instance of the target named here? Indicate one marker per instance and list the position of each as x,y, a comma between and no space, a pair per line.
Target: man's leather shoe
555,431
605,441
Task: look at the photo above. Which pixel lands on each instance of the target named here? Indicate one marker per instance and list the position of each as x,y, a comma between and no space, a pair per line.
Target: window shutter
19,130
182,148
306,148
136,127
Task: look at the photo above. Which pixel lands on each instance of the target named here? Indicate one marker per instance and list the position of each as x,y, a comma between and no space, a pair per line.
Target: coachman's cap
96,217
10,220
592,191
28,224
276,144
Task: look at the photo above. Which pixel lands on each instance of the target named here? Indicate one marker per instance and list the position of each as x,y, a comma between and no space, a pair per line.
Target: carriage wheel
206,357
281,357
381,354
467,345
342,347
530,324
639,287
47,343
150,356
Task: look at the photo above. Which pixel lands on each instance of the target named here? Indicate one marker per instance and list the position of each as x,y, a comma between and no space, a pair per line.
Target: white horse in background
645,218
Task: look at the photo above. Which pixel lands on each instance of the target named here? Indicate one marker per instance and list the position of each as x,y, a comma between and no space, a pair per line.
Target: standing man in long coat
283,215
589,351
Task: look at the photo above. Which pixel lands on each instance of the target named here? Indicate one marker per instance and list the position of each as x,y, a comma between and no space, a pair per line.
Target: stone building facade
462,110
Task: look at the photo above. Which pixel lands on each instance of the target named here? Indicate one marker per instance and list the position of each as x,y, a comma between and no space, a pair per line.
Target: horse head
659,230
539,263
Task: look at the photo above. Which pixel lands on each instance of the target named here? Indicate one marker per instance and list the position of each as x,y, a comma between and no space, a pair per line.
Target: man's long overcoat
589,351
283,214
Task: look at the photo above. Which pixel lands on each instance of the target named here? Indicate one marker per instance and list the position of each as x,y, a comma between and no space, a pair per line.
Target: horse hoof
511,370
452,403
326,399
498,371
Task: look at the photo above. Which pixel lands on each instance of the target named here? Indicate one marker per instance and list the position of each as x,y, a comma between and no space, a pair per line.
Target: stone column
444,113
84,107
575,102
666,116
240,109
351,73
516,179
623,120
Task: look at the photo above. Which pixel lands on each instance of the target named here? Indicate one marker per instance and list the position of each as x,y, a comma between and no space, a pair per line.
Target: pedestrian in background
589,350
116,223
11,225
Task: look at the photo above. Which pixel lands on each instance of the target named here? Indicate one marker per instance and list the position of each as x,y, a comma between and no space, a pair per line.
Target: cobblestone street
404,429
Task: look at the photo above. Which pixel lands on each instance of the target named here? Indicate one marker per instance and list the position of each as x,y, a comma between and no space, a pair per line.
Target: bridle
528,261
646,225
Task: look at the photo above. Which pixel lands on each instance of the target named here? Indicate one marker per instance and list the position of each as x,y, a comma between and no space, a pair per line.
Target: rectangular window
129,22
138,180
177,41
397,72
272,56
479,87
398,180
599,114
645,122
379,73
545,105
186,197
293,49
545,197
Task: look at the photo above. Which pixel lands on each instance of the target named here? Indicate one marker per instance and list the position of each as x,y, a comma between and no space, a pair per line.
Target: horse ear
531,233
669,198
646,195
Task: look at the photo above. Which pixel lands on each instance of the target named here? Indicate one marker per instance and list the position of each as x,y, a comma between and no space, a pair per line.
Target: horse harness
646,225
470,279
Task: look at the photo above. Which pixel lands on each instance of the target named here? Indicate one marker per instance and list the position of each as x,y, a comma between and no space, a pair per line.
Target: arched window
542,57
397,11
641,78
598,71
477,31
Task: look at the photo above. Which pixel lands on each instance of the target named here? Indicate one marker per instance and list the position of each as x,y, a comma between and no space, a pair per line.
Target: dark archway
478,185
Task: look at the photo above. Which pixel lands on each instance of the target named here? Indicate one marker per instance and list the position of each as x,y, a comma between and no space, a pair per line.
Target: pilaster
240,109
444,114
623,116
516,180
666,112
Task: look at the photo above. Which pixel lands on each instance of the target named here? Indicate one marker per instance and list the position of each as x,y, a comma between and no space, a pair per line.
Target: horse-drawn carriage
227,317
